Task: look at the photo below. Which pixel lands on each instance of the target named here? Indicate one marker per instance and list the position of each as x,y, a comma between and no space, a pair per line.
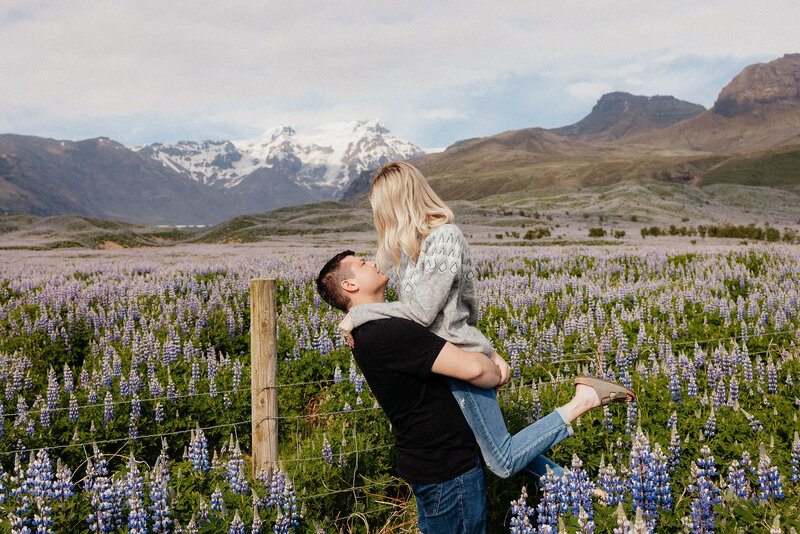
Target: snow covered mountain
325,160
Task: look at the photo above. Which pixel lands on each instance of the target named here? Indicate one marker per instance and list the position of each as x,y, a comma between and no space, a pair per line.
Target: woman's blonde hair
406,211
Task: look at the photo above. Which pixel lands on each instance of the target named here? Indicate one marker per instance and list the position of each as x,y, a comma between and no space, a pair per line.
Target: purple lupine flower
327,451
159,413
795,456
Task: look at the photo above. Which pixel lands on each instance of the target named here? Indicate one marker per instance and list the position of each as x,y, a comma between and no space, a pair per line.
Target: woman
436,289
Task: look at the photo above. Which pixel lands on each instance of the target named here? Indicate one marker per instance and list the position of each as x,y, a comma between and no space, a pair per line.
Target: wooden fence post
264,373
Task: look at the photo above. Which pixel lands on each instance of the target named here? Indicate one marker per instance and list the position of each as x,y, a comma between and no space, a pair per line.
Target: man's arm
472,367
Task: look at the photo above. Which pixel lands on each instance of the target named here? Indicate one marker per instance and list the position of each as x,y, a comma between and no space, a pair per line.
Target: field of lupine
125,392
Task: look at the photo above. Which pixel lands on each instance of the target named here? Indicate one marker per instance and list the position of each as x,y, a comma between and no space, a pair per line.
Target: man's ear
350,285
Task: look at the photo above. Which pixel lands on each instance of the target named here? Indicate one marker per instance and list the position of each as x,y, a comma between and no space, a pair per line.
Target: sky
434,73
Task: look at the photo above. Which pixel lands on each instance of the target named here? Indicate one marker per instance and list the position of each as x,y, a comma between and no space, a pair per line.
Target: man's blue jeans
503,453
456,506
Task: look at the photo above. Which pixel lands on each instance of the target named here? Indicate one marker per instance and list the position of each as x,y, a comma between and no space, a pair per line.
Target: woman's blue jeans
503,453
456,506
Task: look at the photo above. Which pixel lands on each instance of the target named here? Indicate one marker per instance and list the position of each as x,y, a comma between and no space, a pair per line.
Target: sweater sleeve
435,281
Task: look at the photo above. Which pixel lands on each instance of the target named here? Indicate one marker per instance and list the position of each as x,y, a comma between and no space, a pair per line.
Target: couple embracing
430,368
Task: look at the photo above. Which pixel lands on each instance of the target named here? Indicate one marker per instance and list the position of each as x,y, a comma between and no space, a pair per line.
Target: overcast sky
433,72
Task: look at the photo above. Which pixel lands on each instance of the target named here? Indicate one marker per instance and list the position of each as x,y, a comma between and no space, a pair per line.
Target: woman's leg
503,453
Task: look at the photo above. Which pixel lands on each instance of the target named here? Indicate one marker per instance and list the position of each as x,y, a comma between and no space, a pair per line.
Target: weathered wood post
264,373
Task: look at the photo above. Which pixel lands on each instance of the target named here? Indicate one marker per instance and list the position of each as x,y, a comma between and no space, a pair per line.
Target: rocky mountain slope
99,178
620,114
759,109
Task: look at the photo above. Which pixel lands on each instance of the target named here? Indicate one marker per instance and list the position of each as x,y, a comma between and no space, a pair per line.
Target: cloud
590,91
446,68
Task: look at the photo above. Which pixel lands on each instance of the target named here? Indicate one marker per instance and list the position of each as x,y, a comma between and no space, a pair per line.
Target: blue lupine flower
62,487
237,525
337,375
257,523
649,477
217,504
69,385
608,423
159,413
108,411
549,505
159,481
522,515
198,450
737,480
237,479
710,428
579,488
610,483
769,483
43,519
632,413
702,518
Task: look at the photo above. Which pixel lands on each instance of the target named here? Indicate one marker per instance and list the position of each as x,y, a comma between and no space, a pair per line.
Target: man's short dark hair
329,281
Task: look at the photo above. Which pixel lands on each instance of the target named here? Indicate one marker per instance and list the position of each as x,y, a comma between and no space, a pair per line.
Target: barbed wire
102,404
120,440
345,453
315,415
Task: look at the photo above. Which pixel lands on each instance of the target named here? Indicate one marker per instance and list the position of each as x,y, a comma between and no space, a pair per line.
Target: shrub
597,232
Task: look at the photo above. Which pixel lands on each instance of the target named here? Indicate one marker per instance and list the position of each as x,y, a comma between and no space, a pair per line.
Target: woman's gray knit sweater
436,291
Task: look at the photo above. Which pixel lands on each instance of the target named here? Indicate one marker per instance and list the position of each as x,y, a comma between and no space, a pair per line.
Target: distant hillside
551,216
773,168
29,231
620,114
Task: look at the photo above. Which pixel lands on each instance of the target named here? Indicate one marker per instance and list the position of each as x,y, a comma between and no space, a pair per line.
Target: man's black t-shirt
434,442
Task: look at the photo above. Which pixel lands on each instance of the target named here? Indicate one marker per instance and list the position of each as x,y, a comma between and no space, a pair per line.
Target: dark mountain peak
620,114
772,85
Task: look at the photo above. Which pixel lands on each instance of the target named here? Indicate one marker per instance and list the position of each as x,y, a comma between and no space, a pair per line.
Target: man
405,365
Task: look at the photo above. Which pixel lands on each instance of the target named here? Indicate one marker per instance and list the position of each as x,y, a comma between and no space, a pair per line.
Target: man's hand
505,370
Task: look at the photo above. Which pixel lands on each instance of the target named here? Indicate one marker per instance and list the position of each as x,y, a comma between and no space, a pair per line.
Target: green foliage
597,232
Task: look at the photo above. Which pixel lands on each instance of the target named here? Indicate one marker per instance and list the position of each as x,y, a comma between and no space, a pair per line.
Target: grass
773,168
